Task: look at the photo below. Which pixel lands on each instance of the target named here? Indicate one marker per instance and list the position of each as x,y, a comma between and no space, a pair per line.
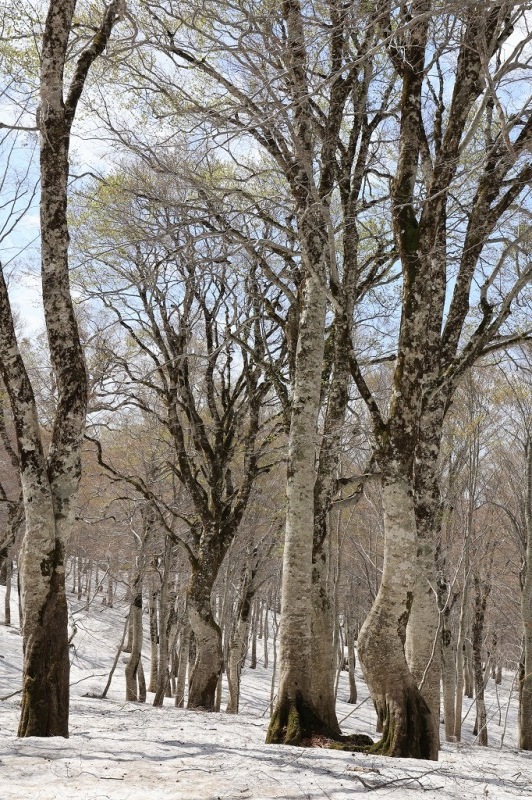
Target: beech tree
176,292
299,92
464,139
49,481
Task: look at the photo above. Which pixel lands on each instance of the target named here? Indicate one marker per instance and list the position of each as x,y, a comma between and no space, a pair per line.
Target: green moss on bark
295,722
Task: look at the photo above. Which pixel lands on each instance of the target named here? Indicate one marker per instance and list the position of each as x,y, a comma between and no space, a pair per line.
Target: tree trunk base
296,723
408,729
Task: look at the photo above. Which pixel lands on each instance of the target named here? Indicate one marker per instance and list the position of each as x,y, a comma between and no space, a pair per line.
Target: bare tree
439,334
49,482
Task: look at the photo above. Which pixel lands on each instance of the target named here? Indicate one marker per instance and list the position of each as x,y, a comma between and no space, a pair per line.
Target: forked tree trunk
408,725
49,484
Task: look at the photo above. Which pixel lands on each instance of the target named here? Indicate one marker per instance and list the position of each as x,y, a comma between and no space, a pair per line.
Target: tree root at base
295,722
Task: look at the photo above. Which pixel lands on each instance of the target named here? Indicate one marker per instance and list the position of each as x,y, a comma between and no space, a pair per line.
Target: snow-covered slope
131,751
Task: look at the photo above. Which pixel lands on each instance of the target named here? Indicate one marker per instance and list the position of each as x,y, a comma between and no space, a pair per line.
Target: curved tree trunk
49,484
408,725
207,634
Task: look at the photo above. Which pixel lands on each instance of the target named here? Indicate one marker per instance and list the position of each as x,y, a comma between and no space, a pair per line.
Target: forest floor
132,751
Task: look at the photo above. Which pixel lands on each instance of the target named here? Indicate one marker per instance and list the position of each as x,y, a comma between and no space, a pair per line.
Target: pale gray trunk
295,656
7,598
237,654
266,634
469,675
207,635
449,660
422,646
351,657
184,646
525,710
408,722
254,632
154,639
135,624
324,651
477,635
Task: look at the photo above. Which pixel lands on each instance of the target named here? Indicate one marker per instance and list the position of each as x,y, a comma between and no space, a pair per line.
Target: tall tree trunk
49,484
408,723
525,706
477,636
351,655
7,598
207,634
423,634
237,649
135,623
154,636
294,716
182,664
167,621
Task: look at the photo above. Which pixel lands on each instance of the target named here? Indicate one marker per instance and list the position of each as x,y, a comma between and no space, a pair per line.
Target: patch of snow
132,751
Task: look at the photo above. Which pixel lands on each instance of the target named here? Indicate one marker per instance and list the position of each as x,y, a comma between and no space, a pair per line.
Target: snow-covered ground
132,751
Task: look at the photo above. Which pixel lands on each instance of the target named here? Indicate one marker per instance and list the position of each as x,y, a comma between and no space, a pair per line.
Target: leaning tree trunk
408,729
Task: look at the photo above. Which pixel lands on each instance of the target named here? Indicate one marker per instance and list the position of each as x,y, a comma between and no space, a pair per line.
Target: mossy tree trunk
49,483
207,634
408,725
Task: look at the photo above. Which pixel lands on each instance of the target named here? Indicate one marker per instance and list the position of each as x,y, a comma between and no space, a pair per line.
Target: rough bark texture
49,484
237,652
293,713
525,710
135,622
408,725
207,634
